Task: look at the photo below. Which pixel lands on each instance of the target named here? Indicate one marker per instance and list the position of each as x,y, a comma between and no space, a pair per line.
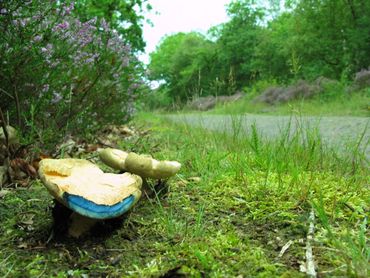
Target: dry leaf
22,165
3,175
23,245
3,192
195,179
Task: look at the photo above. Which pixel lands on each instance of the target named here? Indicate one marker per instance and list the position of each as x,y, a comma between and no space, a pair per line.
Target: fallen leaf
3,192
3,177
23,245
28,219
195,179
27,222
182,182
91,147
24,166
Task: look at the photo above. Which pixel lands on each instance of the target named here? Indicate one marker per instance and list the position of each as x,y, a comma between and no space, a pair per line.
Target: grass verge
232,210
349,105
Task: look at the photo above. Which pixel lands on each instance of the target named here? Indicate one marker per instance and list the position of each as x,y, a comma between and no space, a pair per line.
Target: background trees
184,62
304,40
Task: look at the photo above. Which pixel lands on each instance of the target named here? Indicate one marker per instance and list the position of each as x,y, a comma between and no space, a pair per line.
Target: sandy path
336,131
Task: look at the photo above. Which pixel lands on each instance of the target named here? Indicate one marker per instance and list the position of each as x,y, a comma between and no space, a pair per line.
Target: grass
235,204
354,105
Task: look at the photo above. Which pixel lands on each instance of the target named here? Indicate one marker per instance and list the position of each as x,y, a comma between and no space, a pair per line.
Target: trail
338,132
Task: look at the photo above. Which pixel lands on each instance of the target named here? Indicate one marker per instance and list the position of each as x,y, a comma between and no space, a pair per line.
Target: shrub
322,87
156,99
362,80
58,72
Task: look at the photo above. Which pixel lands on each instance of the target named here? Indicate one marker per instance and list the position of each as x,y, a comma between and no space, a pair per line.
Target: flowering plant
59,72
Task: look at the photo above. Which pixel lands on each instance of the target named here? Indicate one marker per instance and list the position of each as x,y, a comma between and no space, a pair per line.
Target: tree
183,62
305,40
125,16
237,40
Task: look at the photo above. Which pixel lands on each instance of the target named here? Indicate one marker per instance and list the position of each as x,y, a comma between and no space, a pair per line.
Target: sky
173,16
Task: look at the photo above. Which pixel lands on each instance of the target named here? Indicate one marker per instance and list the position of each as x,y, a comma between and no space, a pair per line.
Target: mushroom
142,165
89,192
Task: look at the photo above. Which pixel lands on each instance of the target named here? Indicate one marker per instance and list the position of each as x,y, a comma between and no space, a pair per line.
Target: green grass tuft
234,205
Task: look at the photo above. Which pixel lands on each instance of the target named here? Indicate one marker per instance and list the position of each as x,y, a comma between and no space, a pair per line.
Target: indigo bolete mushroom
89,192
142,165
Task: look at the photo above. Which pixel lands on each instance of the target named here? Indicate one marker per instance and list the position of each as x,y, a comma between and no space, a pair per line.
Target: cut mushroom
142,165
84,188
113,158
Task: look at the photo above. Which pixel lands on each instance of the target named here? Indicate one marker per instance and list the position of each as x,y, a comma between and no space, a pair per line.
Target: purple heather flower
45,88
54,64
37,38
56,98
125,62
23,22
89,60
68,10
3,11
104,25
63,25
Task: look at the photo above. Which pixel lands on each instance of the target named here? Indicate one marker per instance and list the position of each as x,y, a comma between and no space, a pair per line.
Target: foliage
156,99
123,16
237,40
62,73
183,61
262,41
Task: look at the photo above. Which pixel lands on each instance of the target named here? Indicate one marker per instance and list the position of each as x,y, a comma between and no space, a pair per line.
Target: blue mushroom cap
90,209
84,188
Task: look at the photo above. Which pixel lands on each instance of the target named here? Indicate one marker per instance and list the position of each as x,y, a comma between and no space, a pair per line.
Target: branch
5,92
309,267
6,135
18,107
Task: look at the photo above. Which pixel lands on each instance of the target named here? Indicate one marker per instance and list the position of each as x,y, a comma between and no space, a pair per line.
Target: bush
156,99
322,88
58,72
362,80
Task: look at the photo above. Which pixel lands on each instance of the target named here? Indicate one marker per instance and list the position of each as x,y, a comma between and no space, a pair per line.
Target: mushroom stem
80,225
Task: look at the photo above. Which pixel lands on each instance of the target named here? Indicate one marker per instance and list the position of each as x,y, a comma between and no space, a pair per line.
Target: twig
3,125
18,107
285,248
6,135
105,145
310,263
5,92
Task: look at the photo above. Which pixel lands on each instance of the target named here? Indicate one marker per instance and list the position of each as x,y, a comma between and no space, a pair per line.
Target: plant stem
18,107
6,135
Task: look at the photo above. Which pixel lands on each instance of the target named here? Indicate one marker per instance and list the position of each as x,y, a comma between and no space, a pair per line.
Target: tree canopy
304,40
